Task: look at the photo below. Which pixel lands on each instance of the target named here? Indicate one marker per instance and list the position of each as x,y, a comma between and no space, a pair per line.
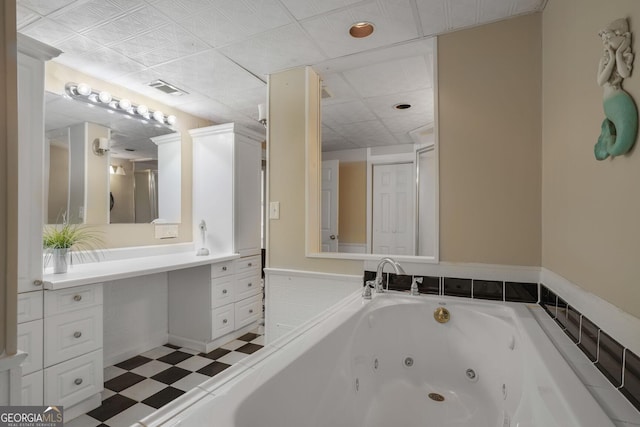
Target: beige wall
58,192
97,178
352,203
123,235
590,209
489,135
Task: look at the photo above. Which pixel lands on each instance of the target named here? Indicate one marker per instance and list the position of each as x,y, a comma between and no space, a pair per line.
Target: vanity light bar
83,92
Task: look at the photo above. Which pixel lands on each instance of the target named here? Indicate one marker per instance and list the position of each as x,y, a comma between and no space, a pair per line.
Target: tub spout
396,267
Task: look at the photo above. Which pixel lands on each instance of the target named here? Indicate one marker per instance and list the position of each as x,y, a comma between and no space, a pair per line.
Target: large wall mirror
379,154
137,180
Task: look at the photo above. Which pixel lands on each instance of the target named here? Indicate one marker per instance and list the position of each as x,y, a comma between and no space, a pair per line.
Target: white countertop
103,271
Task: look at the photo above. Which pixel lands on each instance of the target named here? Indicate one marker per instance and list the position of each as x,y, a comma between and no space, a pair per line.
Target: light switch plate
166,231
274,210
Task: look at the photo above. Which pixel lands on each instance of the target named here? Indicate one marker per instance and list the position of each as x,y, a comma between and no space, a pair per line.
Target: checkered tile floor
136,387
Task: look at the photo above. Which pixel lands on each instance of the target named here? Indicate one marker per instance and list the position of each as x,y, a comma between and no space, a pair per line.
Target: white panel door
393,209
329,206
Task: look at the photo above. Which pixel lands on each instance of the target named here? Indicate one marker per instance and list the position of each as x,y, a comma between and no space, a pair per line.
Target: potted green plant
60,240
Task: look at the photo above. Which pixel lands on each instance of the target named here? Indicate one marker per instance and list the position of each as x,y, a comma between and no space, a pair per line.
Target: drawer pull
249,284
224,268
224,321
77,334
250,264
224,291
37,282
251,311
77,297
77,381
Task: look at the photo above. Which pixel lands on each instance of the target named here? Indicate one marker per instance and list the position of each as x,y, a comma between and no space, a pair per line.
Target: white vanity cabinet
212,304
227,162
73,360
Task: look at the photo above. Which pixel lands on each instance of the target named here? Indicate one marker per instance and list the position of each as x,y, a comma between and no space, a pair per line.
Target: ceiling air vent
167,88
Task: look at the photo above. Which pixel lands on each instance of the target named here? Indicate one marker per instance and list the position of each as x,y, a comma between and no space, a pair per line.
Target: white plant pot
61,260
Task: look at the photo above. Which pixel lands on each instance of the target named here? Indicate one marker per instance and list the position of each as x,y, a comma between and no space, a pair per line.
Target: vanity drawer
250,263
30,341
247,285
71,334
29,306
222,320
221,269
222,291
248,310
72,381
32,389
66,300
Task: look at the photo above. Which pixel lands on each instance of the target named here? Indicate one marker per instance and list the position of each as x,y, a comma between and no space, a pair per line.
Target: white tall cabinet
212,304
227,161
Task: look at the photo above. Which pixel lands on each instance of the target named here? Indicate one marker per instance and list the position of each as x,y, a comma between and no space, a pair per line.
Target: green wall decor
620,127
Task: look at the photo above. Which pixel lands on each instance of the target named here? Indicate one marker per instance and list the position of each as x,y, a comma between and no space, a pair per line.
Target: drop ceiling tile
401,125
47,31
44,7
493,10
433,16
371,130
421,102
79,45
402,75
346,112
403,138
225,22
524,6
463,13
393,20
338,87
176,40
103,63
25,16
302,9
180,9
209,72
134,22
275,50
86,15
245,101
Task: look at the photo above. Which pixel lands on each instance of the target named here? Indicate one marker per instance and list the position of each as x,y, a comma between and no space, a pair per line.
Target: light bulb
142,109
171,119
125,104
104,97
158,116
83,89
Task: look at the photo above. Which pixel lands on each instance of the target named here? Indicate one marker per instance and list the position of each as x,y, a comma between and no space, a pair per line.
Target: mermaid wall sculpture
620,127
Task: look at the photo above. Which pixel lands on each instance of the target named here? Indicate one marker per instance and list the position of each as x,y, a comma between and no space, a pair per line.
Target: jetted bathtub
388,362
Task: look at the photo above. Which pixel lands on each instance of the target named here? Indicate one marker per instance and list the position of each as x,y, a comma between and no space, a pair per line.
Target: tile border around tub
494,290
620,365
608,355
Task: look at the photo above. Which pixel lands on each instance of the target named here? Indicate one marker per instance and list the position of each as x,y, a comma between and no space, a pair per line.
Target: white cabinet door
30,341
32,389
70,382
247,211
30,175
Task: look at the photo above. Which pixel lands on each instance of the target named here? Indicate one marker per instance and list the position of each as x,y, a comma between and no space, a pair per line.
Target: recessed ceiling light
402,106
361,29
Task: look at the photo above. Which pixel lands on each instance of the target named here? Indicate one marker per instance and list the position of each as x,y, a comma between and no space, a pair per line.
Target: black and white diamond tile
138,386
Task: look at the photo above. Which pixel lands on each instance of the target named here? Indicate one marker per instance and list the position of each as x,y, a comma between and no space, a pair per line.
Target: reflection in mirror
120,185
379,154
